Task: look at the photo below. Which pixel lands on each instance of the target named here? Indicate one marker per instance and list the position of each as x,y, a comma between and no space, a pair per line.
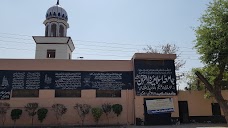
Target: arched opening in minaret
46,31
61,31
53,30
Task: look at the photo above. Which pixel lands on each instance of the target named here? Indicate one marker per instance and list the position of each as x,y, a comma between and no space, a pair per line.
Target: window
46,31
108,93
50,53
215,109
25,93
53,30
67,93
61,31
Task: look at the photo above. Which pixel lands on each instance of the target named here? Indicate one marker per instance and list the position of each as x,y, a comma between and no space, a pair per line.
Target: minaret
55,44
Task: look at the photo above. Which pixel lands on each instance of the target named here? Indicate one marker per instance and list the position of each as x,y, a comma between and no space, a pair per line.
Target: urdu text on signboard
155,77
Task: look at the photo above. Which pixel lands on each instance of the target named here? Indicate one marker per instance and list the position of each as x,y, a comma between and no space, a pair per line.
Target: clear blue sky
105,29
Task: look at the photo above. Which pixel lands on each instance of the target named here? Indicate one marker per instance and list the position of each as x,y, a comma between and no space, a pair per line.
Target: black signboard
60,80
5,88
63,80
5,95
155,77
107,80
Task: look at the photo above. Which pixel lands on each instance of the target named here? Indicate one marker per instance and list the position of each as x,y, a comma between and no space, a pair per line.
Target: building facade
145,86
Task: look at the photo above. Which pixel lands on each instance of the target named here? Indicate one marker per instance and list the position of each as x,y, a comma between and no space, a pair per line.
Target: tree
117,109
42,113
167,49
31,108
15,115
83,110
59,110
107,108
212,45
97,113
194,82
4,107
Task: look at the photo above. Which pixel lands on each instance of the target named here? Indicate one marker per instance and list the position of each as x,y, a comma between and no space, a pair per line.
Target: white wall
62,51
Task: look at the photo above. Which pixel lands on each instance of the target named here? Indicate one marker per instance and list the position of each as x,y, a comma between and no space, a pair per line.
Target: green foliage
212,34
117,109
193,82
208,95
59,110
212,45
83,110
210,73
42,113
16,114
31,108
97,113
4,107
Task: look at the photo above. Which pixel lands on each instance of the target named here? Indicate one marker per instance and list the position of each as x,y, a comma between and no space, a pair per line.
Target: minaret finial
57,2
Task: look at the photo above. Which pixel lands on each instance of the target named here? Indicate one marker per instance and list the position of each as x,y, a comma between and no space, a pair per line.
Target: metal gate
156,119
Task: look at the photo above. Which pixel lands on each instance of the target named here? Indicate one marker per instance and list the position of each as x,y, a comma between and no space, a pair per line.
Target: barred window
67,93
53,30
25,93
61,31
108,93
46,31
50,53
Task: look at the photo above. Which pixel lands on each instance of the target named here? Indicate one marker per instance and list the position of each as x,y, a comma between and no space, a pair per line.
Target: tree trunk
4,119
118,120
225,111
83,122
107,118
14,123
32,121
216,91
222,103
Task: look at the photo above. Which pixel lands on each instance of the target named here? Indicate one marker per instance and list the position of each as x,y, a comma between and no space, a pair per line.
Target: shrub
83,110
59,110
97,113
42,113
31,108
4,107
117,109
107,108
16,114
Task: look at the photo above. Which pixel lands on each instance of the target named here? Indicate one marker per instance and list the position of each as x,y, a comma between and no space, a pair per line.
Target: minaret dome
56,21
57,11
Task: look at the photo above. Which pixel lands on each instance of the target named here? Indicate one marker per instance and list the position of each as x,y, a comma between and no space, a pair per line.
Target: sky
105,29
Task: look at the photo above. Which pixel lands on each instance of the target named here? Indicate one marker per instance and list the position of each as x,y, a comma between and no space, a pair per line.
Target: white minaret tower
55,44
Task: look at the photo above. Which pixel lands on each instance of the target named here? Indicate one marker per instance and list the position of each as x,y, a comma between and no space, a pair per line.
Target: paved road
179,126
185,126
160,126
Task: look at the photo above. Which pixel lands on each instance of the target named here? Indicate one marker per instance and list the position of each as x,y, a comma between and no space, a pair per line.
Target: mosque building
145,86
